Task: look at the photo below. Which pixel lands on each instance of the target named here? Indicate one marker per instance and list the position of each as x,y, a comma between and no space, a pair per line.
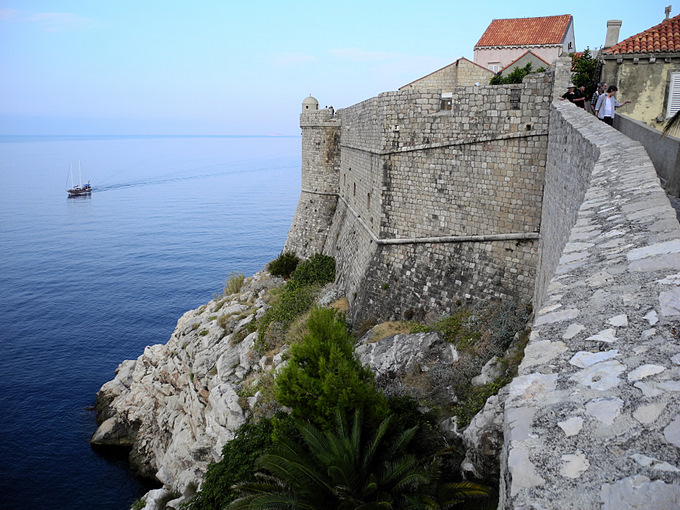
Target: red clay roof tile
663,37
526,31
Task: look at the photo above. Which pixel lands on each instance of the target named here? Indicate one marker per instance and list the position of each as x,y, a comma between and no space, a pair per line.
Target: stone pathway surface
593,419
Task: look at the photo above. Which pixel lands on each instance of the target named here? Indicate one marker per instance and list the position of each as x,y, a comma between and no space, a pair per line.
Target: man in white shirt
606,106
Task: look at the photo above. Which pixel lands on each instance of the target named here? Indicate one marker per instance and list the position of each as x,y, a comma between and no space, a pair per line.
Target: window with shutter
673,95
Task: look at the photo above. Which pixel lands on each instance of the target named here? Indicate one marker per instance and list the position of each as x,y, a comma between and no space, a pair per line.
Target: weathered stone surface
639,493
177,404
605,433
405,353
483,439
114,432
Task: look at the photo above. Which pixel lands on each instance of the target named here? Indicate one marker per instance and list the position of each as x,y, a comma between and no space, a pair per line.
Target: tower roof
310,101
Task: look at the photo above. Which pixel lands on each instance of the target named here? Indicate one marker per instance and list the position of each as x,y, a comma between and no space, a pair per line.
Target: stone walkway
675,203
593,419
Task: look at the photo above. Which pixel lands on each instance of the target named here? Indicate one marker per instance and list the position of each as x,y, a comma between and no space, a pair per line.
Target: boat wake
171,179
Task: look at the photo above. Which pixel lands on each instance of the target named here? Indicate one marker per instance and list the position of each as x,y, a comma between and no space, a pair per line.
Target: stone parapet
319,118
593,418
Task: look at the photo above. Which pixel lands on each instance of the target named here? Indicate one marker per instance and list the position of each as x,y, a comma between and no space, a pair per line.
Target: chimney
613,27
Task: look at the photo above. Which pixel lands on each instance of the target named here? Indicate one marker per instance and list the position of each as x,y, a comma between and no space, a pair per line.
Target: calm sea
88,282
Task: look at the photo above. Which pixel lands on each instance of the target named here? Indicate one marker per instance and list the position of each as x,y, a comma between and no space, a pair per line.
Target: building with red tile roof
527,57
662,38
646,68
461,73
506,40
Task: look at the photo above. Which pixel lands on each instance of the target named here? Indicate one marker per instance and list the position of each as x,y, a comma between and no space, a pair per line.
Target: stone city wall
568,169
318,196
593,418
450,200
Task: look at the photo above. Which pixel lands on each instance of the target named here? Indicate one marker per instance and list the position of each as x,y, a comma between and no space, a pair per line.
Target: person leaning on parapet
569,95
601,87
606,106
580,99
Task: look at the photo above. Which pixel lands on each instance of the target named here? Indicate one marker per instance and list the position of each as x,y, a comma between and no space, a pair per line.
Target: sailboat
80,188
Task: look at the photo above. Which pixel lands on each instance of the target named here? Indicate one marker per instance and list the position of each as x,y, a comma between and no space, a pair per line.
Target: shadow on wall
664,152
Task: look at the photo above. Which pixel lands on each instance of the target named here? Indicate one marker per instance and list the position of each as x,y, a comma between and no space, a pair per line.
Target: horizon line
155,135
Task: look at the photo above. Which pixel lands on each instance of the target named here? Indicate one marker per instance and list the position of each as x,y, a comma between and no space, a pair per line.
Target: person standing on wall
580,99
606,106
601,87
569,95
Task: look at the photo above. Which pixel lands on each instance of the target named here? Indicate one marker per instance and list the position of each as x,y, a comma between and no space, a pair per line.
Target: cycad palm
339,471
672,125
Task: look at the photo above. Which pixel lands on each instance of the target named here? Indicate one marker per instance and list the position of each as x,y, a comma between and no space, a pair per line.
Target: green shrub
138,504
456,329
324,375
474,400
234,283
237,465
516,76
317,270
288,305
284,264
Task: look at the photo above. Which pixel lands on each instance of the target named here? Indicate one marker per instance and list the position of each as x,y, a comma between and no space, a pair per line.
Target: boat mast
70,171
80,175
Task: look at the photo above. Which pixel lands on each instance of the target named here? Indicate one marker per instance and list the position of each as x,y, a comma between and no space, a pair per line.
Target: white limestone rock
574,464
601,376
177,404
571,426
490,372
645,371
648,413
408,353
636,492
483,440
672,432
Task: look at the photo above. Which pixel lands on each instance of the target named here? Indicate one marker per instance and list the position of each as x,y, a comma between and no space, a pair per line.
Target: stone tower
320,179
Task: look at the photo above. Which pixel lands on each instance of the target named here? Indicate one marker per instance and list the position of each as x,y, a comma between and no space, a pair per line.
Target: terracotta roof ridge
541,30
664,37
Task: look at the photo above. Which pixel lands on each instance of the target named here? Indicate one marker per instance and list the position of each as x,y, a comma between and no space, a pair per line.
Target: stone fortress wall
319,194
434,207
593,419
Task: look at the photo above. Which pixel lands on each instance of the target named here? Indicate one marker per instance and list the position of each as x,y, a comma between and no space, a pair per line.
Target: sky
208,67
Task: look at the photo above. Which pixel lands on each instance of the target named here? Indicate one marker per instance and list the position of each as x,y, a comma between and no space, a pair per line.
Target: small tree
516,76
324,375
585,68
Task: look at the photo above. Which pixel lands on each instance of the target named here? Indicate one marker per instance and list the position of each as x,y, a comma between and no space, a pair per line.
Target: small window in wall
354,191
368,201
494,66
673,95
344,179
446,101
515,98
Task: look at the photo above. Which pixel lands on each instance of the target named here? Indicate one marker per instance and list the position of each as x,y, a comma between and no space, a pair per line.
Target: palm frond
456,492
672,125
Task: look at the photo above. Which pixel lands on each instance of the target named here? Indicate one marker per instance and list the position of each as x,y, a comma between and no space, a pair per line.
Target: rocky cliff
178,404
